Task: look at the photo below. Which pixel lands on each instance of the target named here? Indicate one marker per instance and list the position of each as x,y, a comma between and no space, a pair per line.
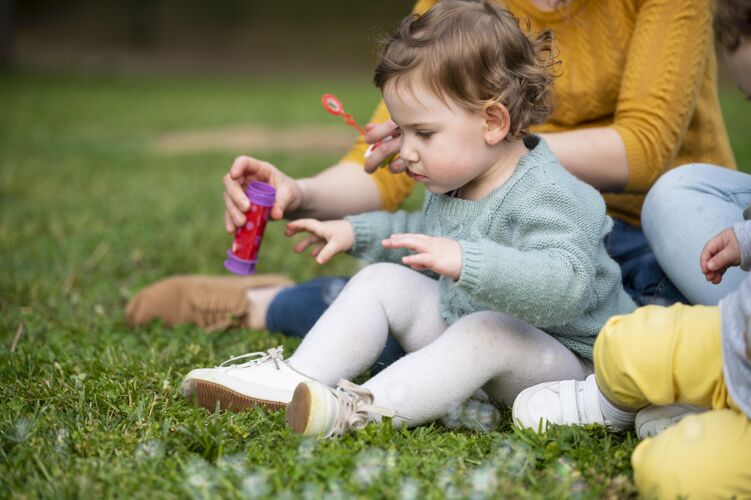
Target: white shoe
569,402
652,420
319,410
267,380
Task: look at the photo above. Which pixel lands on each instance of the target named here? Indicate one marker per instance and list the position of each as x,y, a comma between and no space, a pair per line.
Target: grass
89,214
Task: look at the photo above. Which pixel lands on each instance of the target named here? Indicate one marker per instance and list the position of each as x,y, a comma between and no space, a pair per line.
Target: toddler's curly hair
473,52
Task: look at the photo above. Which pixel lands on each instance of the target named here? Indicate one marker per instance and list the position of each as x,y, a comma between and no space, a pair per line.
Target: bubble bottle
242,257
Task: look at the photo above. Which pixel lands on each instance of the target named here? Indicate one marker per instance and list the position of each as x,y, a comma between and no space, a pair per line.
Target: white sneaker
652,420
319,410
266,381
569,402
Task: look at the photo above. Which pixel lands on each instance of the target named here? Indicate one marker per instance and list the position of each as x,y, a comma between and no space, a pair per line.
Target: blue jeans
295,310
685,208
642,277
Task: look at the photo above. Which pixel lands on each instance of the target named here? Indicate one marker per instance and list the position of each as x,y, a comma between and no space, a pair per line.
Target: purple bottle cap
237,265
261,193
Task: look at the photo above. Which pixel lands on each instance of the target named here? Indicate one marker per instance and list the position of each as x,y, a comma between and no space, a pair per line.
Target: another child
515,280
690,355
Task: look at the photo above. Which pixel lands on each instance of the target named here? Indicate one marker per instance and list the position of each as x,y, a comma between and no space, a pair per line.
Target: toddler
501,282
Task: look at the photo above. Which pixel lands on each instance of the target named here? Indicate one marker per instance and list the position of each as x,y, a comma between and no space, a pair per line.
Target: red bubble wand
333,105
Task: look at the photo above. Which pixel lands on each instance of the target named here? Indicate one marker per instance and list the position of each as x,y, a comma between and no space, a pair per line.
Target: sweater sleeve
546,276
667,57
742,232
372,227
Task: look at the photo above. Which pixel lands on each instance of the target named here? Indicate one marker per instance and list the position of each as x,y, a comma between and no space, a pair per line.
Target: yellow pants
659,356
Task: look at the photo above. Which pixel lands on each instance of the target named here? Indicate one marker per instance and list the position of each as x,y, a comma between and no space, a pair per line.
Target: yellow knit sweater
646,68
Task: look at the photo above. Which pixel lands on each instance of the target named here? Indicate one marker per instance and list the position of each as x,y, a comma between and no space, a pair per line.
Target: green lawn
90,213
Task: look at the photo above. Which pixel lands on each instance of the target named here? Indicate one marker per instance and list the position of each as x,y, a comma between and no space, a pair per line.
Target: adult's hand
245,170
375,132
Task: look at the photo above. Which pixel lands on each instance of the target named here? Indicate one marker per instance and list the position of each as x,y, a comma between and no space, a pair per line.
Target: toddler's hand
441,255
718,254
327,238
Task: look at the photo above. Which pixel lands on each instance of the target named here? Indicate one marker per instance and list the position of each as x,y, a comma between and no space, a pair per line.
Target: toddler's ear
497,122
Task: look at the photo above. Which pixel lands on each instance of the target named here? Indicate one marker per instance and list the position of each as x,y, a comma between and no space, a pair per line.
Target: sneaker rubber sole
208,395
298,410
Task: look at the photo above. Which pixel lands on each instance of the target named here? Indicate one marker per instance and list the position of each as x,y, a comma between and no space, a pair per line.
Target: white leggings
445,365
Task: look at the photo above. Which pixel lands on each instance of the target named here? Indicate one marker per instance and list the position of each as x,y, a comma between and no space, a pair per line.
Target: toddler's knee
381,272
384,279
488,327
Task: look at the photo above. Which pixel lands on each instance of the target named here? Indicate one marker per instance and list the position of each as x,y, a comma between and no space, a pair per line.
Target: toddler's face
443,145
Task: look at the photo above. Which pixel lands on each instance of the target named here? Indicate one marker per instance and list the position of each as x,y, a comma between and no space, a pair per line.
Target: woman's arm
664,69
597,156
340,190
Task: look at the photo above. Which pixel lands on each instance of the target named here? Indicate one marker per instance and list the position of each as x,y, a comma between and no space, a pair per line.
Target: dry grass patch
308,138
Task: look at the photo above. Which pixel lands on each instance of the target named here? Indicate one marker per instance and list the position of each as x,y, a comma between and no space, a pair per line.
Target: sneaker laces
355,402
274,354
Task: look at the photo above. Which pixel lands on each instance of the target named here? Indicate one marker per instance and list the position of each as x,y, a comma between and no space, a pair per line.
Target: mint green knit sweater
533,248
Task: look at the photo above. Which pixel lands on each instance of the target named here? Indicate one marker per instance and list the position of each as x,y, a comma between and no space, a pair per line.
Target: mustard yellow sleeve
394,188
663,73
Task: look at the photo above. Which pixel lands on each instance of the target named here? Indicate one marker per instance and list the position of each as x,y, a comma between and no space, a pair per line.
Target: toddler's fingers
415,242
310,225
301,245
716,277
424,260
706,254
325,254
721,260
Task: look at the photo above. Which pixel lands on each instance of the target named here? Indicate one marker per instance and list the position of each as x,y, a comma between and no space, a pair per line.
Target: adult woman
691,204
636,97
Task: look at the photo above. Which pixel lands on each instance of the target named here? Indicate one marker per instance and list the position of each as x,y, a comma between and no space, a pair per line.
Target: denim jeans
295,310
642,277
685,208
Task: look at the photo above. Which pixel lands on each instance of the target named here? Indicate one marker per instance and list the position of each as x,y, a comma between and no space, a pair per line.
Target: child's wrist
742,233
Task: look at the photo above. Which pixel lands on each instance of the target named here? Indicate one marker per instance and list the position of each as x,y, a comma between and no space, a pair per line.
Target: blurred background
221,36
124,115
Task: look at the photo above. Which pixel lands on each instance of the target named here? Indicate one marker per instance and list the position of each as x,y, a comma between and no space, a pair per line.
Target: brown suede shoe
212,302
